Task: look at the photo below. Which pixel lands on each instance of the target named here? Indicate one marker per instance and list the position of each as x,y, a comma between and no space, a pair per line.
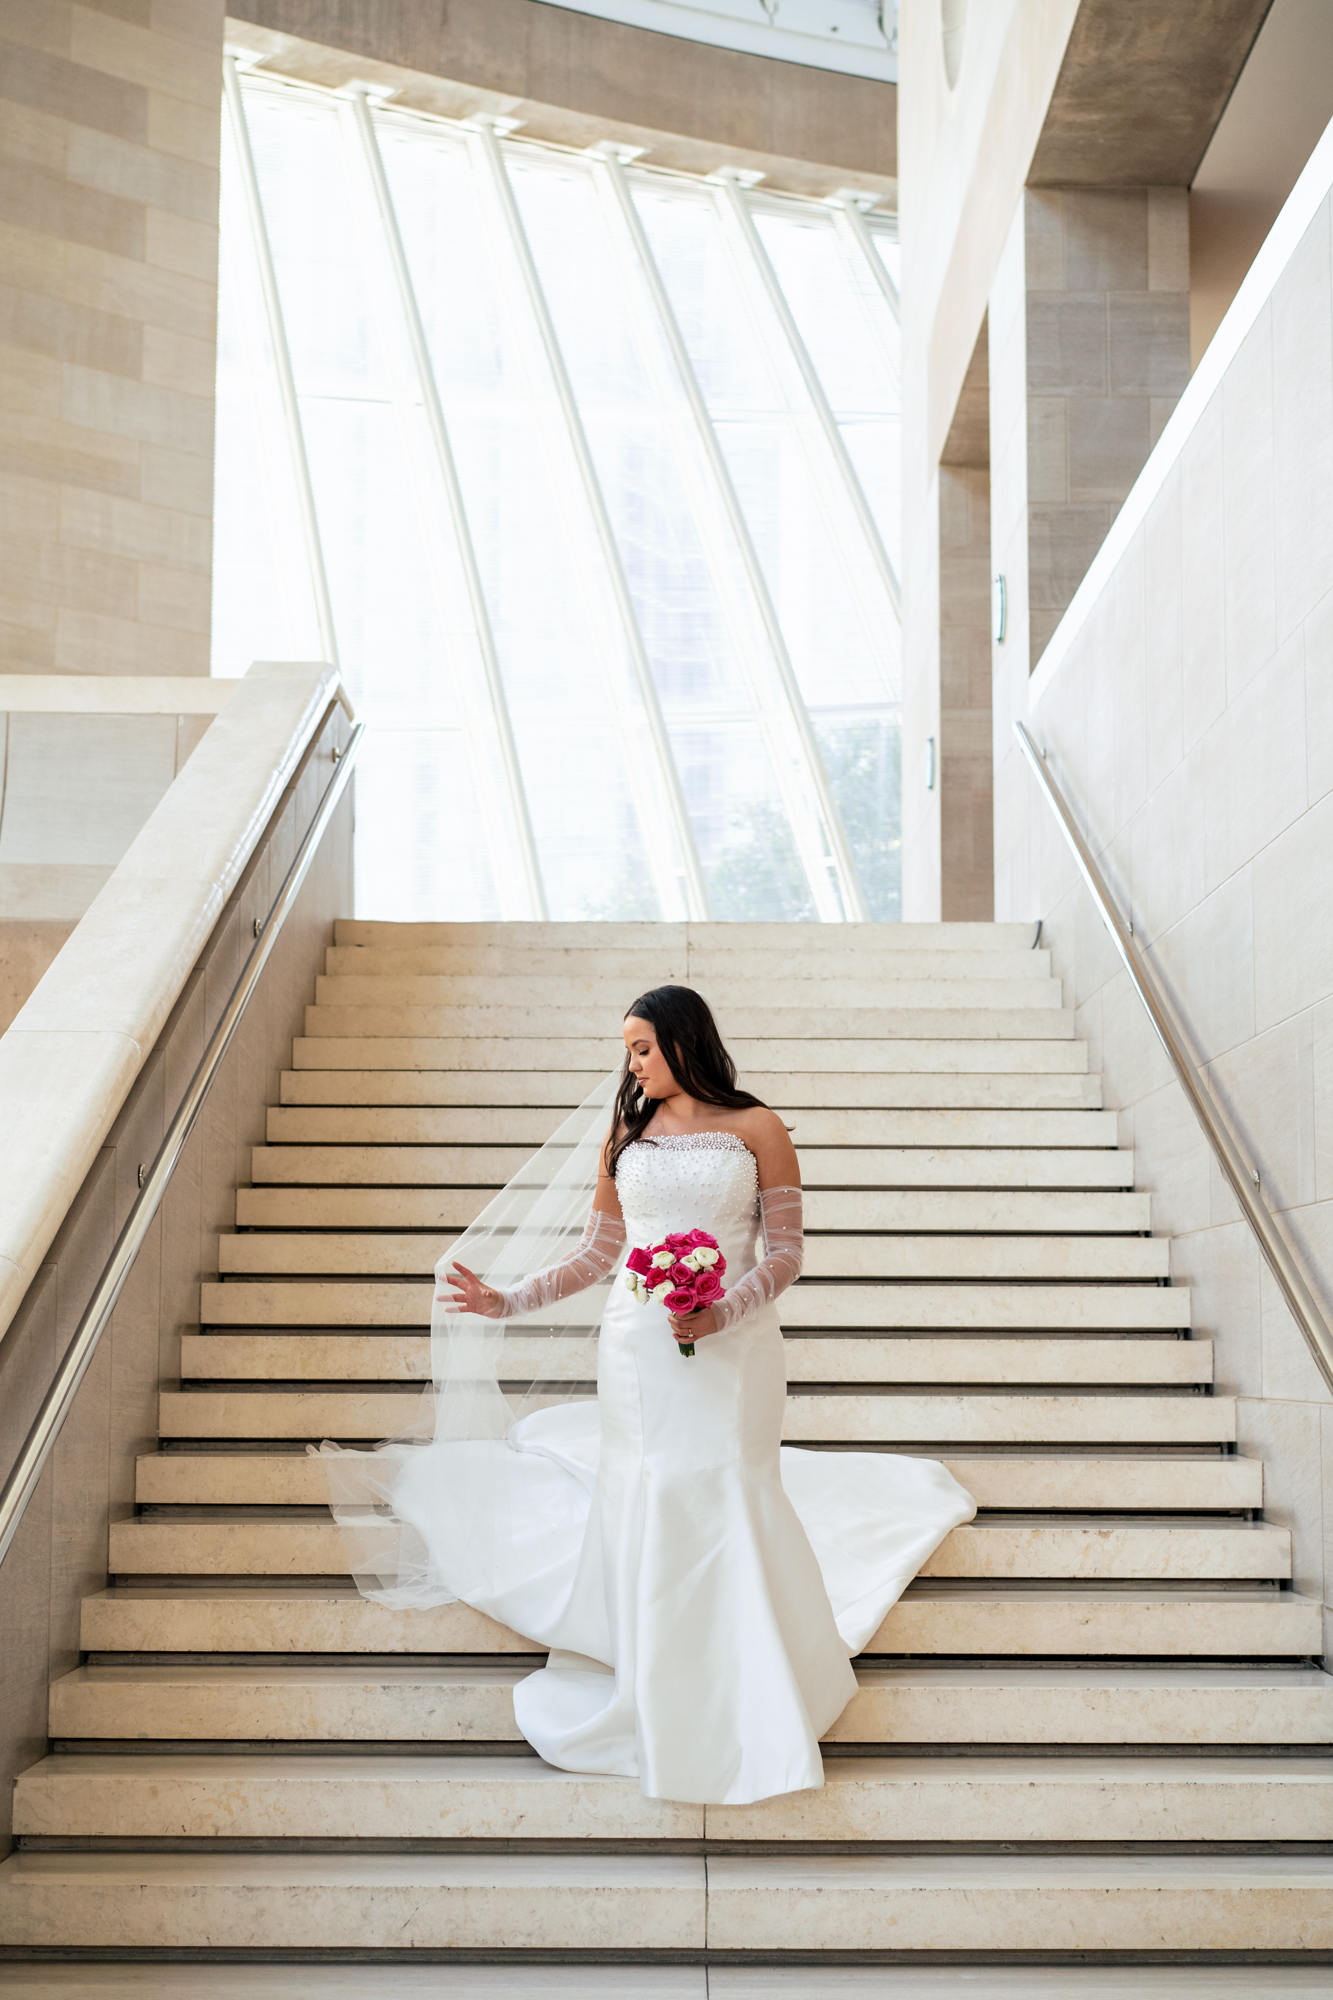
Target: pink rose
681,1274
719,1268
656,1279
678,1243
640,1261
701,1240
707,1287
681,1300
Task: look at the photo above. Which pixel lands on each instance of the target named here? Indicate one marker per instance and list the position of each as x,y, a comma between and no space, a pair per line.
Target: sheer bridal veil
457,1458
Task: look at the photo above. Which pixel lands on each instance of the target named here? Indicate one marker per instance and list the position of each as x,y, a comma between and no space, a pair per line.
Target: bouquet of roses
684,1271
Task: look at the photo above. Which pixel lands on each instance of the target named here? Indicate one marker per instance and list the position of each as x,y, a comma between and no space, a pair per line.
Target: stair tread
1087,1359
1101,1548
601,994
351,1048
520,1798
694,934
941,1305
944,1020
786,1089
888,1171
438,1125
649,968
889,1416
416,1253
515,1900
1173,1679
1052,1480
942,1619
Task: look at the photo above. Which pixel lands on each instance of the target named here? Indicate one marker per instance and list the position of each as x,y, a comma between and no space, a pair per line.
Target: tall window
587,475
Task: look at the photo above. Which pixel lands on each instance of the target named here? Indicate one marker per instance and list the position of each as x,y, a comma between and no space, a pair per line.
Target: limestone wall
109,134
1187,702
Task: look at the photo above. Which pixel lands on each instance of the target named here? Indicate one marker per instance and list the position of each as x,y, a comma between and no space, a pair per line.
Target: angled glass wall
602,467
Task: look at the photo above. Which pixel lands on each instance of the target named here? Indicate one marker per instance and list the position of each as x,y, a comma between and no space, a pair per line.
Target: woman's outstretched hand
693,1326
467,1294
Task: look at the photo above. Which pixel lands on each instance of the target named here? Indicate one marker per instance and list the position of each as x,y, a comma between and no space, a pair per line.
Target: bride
701,1591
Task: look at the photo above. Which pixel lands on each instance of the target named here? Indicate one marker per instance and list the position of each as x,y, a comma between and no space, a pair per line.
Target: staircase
1095,1724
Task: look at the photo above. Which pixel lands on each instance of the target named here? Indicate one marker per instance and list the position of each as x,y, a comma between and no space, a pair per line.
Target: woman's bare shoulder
757,1123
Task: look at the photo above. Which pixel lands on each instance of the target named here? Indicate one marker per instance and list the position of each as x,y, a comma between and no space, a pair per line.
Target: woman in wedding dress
701,1591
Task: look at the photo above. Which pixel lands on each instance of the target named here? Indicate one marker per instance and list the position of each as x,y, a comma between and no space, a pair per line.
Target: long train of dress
700,1590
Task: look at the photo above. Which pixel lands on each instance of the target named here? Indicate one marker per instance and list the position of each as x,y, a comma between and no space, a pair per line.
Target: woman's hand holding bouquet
684,1271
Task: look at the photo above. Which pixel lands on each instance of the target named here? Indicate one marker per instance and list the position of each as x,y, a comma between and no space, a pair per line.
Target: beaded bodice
692,1180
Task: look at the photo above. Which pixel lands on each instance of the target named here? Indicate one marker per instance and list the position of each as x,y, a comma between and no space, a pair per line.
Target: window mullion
744,231
678,818
481,623
813,860
282,361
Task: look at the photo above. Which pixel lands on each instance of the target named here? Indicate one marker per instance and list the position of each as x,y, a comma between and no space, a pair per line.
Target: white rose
702,1259
663,1260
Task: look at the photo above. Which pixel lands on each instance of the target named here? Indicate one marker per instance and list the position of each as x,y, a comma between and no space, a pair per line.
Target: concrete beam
1140,91
573,78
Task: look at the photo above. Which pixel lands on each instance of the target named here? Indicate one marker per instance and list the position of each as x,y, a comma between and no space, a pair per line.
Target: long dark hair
695,1054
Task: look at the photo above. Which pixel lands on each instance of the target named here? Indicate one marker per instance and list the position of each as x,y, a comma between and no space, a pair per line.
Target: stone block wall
1108,353
109,137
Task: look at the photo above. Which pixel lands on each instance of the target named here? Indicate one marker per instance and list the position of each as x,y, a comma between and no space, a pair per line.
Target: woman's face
646,1060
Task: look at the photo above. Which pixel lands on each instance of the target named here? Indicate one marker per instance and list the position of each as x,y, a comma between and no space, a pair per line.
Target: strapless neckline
719,1141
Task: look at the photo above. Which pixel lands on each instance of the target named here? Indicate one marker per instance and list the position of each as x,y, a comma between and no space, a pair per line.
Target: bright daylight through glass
587,475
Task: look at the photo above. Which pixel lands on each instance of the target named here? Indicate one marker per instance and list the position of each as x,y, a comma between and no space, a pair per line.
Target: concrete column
967,885
1108,352
1089,351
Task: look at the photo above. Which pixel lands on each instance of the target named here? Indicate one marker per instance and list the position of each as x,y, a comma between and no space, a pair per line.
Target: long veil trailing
487,1376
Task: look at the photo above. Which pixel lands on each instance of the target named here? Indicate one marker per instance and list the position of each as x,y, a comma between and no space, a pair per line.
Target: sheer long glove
784,1256
601,1244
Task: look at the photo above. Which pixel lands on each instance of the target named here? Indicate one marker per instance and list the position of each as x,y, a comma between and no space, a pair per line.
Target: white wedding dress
701,1592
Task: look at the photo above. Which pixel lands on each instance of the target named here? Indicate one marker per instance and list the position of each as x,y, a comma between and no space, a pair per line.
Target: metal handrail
31,1461
1243,1180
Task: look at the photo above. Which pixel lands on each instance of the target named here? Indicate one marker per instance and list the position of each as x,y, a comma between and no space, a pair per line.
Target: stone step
570,1901
353,1048
414,1167
453,1208
1020,1903
595,997
280,1903
448,1209
814,1026
635,972
941,1619
857,1090
430,1703
340,1125
950,1799
1163,1484
915,1211
960,1307
669,941
886,1418
1100,1550
1007,1259
349,1357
